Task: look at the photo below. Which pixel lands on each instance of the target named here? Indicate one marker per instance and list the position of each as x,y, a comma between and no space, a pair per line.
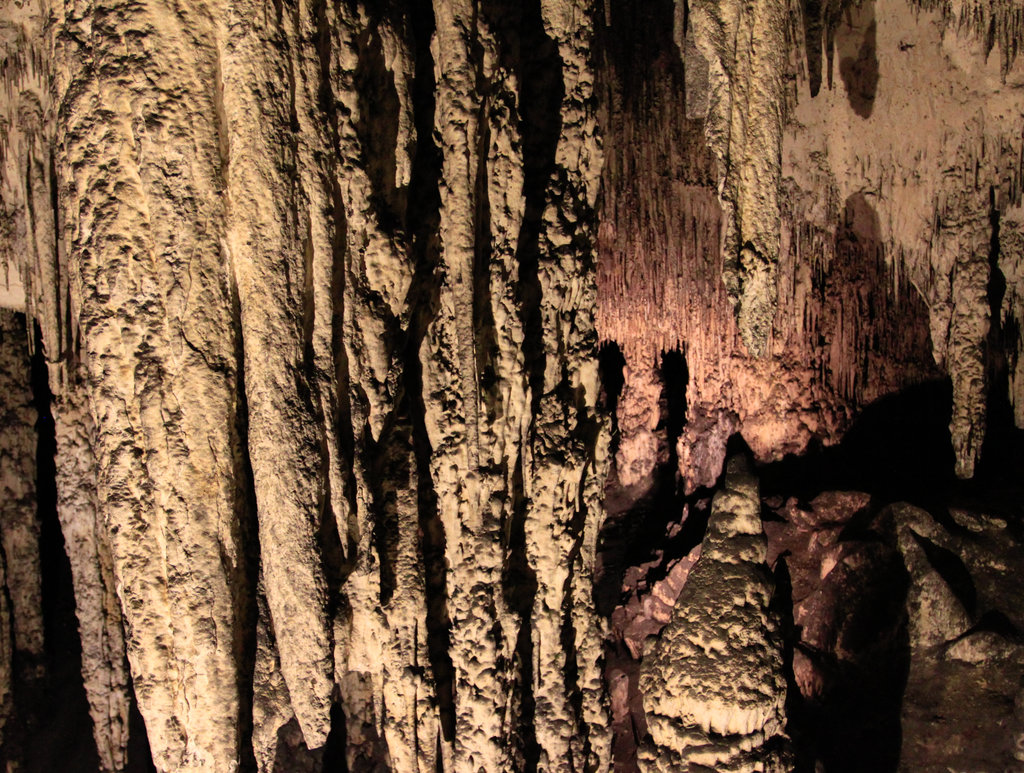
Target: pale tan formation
713,683
87,542
514,354
637,417
743,48
321,343
881,235
713,686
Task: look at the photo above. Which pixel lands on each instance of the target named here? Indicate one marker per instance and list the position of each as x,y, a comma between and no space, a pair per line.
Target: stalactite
267,239
567,458
744,128
87,541
998,23
148,283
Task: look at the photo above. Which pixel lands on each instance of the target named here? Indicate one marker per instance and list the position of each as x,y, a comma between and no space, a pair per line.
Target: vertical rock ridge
744,46
104,667
268,238
147,281
476,371
568,448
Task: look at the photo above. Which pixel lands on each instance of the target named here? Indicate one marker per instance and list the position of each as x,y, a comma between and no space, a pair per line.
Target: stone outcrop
908,648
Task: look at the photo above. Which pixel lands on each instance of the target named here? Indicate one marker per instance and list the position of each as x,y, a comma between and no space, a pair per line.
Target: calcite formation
803,246
314,293
713,685
321,344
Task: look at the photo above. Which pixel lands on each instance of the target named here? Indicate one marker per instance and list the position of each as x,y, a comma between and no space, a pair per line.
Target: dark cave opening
638,517
610,363
898,449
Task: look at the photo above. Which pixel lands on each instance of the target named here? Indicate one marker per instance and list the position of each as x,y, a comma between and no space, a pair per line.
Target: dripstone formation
713,685
300,359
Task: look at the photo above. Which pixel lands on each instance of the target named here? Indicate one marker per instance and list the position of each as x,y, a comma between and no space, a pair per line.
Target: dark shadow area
334,758
610,363
140,757
853,723
541,90
847,30
51,728
858,59
638,518
846,647
675,376
378,125
519,585
898,449
997,476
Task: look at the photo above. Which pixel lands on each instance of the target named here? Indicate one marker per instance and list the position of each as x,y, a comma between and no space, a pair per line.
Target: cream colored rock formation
311,317
822,233
319,289
713,686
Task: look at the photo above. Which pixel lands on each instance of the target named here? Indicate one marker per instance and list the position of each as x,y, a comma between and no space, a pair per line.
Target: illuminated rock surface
310,432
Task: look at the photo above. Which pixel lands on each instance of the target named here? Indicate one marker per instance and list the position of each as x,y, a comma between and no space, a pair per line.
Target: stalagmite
713,685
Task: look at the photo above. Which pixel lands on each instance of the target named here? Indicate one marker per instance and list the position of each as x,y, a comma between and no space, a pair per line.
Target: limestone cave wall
318,294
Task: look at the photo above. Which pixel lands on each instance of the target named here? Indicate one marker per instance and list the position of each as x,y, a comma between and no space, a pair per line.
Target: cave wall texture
320,286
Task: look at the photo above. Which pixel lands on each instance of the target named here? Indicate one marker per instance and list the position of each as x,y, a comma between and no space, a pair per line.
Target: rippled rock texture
315,292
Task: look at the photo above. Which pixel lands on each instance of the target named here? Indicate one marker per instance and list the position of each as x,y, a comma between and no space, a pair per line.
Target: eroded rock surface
319,287
315,288
713,685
